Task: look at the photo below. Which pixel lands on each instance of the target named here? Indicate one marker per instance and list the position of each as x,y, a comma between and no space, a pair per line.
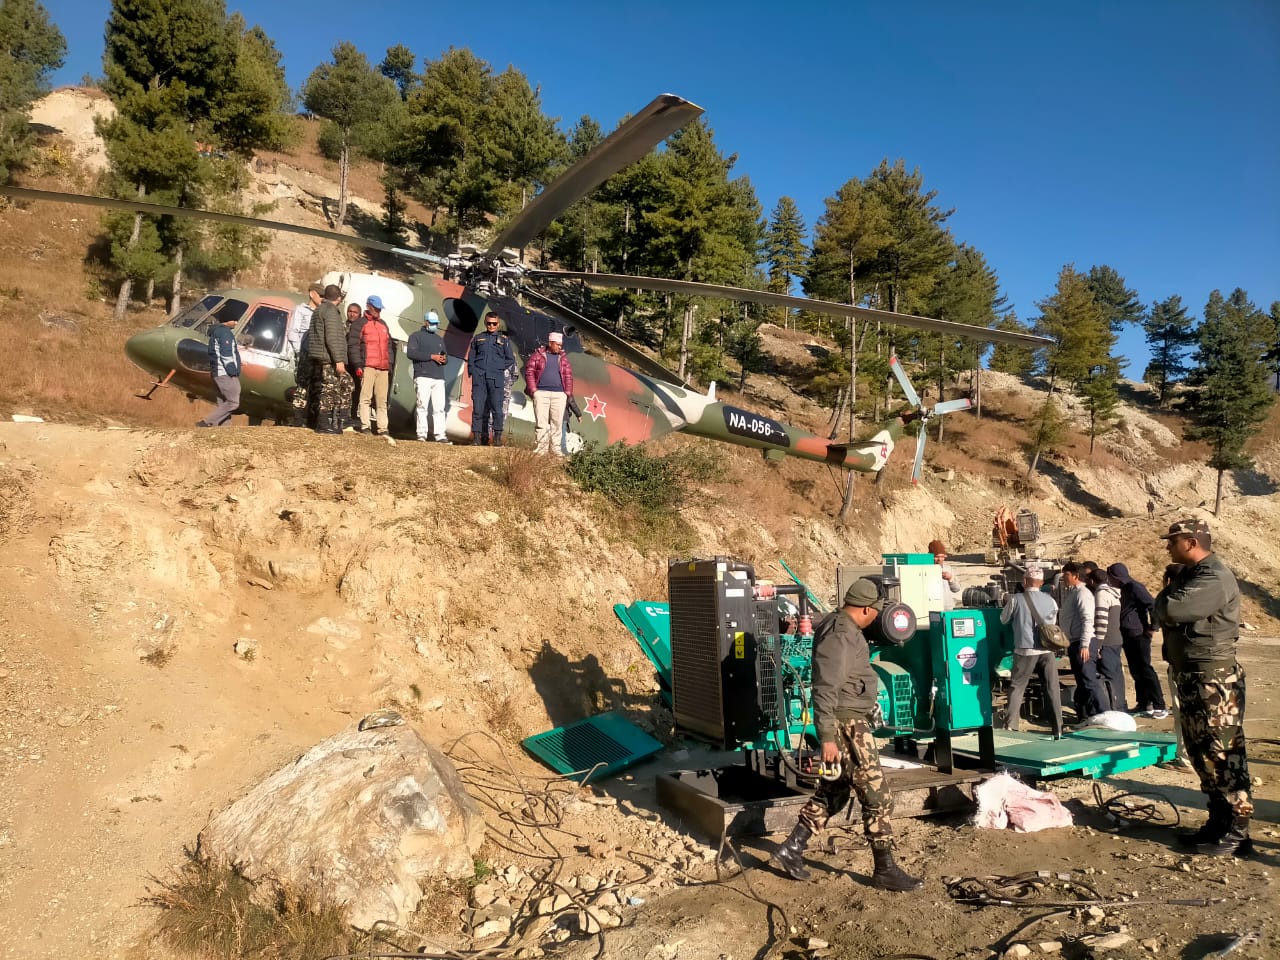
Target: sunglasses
491,323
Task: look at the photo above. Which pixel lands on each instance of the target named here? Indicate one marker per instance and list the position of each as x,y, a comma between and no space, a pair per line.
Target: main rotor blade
160,210
918,466
631,141
689,288
639,360
950,406
895,365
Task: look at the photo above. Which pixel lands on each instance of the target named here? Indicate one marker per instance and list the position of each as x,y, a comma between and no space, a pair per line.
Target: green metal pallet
1082,753
597,747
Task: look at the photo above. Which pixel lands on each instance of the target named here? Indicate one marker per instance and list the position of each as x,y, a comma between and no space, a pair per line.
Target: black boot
1234,843
1213,829
888,875
790,856
328,422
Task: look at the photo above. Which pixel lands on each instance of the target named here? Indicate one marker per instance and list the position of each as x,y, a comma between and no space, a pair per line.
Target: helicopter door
262,339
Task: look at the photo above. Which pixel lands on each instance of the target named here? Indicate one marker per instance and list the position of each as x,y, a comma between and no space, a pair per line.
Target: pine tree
31,48
1049,432
967,291
1230,394
784,248
522,143
1272,356
1120,305
351,94
1072,317
917,244
397,66
167,63
1170,334
1101,393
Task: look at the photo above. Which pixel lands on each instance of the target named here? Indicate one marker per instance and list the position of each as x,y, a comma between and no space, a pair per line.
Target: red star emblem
595,406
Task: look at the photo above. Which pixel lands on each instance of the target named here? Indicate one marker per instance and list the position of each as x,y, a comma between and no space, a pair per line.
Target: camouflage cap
1186,528
862,593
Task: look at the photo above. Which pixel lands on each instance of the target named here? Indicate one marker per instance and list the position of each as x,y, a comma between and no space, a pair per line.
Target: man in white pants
426,350
548,379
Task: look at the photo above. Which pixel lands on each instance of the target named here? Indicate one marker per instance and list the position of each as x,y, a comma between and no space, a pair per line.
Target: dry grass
362,178
211,910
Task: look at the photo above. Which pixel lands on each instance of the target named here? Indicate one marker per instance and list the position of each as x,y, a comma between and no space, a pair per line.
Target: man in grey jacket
844,701
1076,618
1029,657
1199,611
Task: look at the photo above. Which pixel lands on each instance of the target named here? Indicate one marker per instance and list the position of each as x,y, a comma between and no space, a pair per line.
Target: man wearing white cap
1029,655
549,383
426,350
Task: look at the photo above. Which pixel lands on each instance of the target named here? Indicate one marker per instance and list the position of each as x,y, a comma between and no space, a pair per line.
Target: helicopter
630,404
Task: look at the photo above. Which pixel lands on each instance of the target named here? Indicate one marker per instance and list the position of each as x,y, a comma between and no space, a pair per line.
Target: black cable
1125,810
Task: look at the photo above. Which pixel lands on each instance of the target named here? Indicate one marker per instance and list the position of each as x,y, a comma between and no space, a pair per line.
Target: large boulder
361,817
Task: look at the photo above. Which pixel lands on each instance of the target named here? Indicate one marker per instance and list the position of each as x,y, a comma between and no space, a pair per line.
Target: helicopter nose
149,350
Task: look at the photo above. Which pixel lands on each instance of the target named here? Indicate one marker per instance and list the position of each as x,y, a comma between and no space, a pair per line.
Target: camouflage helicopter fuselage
617,403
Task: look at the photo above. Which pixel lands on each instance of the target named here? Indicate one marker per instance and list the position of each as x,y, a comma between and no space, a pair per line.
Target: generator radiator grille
695,654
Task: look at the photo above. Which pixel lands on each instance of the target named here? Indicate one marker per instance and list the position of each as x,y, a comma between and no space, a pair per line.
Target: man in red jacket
548,379
373,363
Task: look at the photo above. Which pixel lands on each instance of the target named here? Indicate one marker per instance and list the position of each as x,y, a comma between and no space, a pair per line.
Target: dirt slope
410,576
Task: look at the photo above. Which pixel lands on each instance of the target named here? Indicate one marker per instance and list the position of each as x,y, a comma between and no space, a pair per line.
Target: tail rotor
918,411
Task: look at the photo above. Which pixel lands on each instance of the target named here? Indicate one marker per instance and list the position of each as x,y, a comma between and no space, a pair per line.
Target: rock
246,648
363,816
26,418
588,883
607,899
1096,914
588,921
1050,946
816,943
482,894
58,321
1016,951
1151,945
1108,941
260,583
492,928
303,571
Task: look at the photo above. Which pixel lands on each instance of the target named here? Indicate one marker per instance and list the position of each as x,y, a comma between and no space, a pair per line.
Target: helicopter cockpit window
265,330
231,310
191,316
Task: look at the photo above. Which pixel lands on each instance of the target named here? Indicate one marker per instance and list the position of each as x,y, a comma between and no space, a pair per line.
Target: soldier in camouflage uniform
844,713
1199,611
327,350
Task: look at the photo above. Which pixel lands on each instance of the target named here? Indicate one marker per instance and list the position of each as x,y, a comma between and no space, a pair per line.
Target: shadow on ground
1074,490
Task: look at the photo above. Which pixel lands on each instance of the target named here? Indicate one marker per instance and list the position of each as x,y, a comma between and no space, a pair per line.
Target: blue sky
1141,134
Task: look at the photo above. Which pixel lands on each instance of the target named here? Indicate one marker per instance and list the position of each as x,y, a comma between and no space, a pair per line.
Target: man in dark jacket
426,350
488,360
1199,611
327,348
1136,629
844,702
224,365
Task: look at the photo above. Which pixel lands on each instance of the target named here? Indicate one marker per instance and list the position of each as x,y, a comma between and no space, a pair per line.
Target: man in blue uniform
488,360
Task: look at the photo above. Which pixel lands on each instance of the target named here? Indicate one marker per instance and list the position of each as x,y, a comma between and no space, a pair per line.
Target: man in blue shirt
224,365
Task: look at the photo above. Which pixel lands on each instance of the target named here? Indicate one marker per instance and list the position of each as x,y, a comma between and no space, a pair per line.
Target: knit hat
862,593
555,337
